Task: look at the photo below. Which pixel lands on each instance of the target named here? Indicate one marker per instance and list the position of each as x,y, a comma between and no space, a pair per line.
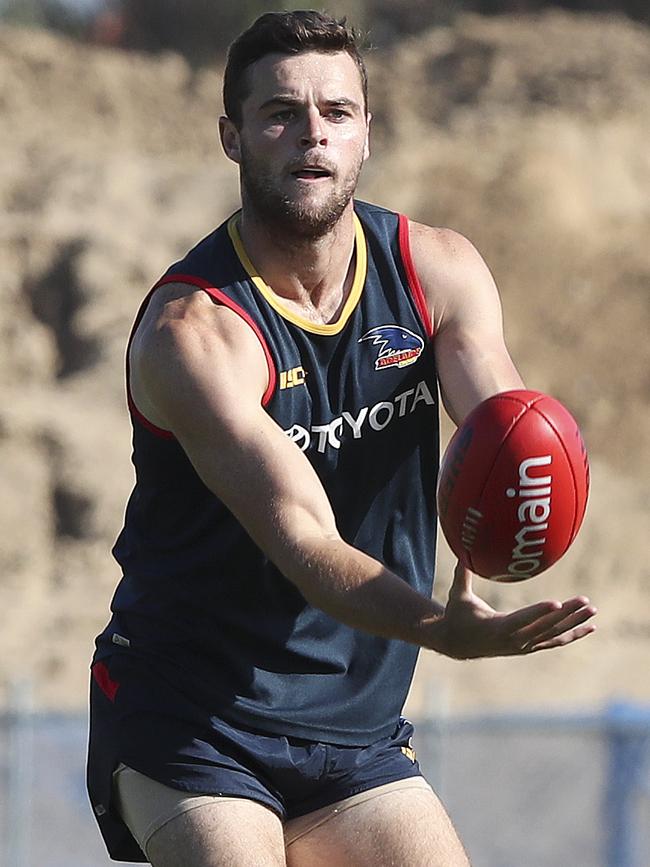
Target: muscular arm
473,363
199,371
471,356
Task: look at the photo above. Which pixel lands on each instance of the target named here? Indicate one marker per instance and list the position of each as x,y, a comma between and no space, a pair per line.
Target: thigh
173,827
396,828
235,833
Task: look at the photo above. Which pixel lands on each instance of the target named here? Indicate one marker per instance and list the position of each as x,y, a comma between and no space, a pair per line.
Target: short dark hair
286,33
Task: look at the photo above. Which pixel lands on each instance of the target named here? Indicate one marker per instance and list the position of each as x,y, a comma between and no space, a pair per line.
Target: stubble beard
288,217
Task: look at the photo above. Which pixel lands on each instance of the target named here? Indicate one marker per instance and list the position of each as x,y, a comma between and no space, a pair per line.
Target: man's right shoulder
181,317
187,340
176,300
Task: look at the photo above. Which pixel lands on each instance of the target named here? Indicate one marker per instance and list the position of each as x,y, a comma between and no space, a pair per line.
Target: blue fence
523,790
531,790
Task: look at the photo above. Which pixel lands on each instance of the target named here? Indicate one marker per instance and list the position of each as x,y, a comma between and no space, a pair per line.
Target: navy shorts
141,720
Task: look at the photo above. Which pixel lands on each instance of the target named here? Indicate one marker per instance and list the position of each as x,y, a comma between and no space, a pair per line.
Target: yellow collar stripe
360,269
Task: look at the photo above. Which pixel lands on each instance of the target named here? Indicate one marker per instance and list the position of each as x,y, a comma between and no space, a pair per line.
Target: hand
472,629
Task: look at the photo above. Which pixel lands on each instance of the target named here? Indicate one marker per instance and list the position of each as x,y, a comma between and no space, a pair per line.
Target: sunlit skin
300,148
307,111
198,370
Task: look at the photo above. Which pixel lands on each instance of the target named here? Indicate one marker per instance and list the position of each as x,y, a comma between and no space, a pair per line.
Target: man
278,548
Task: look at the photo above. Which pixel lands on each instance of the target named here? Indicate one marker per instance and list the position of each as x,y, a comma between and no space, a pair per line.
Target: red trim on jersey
224,299
411,274
221,298
135,412
144,421
104,681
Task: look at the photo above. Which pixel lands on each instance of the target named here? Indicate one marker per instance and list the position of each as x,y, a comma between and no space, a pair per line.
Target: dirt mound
529,135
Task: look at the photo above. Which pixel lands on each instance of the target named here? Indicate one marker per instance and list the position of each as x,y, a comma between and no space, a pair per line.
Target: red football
513,486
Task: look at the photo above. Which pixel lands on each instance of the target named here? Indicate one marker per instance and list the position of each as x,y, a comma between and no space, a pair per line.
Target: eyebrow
285,99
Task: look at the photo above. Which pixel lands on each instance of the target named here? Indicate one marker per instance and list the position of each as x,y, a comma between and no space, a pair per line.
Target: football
513,486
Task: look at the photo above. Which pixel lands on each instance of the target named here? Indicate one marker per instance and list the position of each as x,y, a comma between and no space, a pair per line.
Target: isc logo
293,377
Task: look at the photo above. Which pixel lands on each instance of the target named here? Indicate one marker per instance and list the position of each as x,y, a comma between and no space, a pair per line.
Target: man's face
302,141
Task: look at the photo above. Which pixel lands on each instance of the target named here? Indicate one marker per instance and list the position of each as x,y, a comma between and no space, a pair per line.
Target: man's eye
337,114
282,116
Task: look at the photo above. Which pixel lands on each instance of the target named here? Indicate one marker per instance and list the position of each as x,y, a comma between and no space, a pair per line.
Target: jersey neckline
360,270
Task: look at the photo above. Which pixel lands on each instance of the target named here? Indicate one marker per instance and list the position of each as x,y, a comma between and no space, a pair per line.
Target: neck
312,276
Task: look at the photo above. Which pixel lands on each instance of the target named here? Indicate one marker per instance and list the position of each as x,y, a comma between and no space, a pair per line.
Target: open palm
474,629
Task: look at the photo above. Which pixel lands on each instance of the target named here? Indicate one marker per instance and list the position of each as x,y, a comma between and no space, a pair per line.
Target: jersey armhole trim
221,298
412,276
133,409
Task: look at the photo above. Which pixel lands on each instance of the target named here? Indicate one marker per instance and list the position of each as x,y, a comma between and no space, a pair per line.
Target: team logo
409,752
397,346
292,378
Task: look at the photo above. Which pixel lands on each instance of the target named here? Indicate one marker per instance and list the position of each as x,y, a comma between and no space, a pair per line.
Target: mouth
311,173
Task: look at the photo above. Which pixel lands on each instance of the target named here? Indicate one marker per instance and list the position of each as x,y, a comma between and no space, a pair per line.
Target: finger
523,618
564,639
564,616
544,631
462,583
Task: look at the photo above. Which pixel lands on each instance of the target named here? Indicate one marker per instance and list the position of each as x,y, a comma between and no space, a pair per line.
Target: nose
313,133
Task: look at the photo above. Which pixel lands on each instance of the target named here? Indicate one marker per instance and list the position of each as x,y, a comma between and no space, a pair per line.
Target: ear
229,135
366,148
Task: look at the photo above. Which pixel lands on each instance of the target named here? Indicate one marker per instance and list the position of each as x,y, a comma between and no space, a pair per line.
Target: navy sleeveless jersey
198,599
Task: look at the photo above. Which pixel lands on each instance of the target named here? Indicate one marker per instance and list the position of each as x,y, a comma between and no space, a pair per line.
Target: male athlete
278,548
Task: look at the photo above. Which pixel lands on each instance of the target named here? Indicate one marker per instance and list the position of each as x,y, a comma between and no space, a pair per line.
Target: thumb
462,583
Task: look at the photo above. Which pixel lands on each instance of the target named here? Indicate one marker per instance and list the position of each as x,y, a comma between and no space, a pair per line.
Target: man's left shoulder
445,242
450,269
440,253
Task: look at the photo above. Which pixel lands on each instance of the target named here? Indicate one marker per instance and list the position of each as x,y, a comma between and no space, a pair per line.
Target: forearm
469,374
358,591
